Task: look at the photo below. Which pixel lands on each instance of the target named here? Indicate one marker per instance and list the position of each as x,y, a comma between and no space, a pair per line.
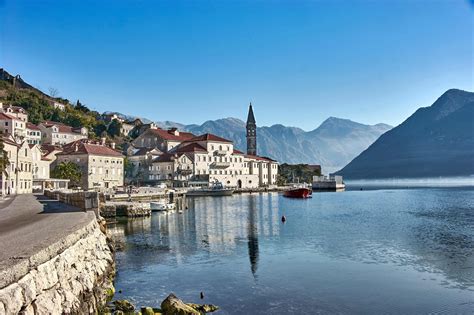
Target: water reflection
252,236
337,253
212,225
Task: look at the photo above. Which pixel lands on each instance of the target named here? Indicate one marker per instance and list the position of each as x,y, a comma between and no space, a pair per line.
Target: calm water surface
405,251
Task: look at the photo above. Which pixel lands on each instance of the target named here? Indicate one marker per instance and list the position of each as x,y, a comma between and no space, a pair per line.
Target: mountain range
333,144
435,141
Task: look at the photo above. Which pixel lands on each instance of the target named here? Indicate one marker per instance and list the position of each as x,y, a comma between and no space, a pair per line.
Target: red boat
298,192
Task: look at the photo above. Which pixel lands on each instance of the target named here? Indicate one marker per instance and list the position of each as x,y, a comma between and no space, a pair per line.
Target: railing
184,171
220,164
220,152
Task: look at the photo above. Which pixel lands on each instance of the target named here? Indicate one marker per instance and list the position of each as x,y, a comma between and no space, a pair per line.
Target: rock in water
174,306
204,308
147,311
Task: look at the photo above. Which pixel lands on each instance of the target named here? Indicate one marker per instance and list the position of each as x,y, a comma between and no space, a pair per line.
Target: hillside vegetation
40,108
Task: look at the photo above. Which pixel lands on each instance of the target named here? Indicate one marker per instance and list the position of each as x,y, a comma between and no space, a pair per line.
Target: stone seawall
73,275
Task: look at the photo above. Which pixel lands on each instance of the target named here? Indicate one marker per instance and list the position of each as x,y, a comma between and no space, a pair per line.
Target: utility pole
19,141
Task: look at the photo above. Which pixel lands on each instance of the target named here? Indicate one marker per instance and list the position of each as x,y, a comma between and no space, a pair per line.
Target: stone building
164,140
102,166
58,133
140,159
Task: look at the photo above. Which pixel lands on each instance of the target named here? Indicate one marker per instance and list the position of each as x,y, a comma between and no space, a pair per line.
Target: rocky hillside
434,141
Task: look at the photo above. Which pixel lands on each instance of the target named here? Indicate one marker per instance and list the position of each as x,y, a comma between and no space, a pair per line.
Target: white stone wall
73,281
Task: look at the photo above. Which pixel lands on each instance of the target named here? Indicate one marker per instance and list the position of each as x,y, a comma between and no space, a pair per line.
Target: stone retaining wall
85,200
74,275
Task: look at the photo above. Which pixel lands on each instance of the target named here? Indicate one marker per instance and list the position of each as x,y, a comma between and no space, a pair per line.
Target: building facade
33,133
164,140
101,166
12,126
61,134
18,175
208,158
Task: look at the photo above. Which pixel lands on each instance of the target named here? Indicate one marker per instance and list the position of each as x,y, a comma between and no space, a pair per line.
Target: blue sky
299,62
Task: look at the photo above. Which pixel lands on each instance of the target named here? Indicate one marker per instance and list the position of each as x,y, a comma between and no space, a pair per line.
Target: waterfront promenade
30,223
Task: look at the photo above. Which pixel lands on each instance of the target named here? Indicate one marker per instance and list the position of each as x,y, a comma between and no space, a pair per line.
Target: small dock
138,204
328,183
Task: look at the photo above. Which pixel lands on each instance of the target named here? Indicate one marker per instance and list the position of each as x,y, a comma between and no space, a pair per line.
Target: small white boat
161,206
216,189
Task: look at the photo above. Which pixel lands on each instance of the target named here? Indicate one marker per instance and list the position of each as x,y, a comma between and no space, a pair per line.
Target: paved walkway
30,223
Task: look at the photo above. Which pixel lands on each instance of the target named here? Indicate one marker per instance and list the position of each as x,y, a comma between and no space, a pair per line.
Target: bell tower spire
251,133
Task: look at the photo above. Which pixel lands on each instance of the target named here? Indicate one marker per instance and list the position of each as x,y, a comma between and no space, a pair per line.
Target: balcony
184,171
220,153
220,164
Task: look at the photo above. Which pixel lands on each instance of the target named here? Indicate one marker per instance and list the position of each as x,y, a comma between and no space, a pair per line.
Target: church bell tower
251,133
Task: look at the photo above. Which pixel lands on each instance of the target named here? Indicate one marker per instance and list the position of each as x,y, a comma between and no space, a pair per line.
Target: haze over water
372,251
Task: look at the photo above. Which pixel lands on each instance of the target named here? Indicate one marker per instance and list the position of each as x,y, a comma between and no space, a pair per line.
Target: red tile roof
32,126
10,141
238,152
84,147
144,151
166,157
192,147
209,137
4,116
169,135
61,127
48,148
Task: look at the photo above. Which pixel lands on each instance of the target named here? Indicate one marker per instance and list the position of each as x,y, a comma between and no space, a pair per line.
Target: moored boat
161,206
298,192
216,189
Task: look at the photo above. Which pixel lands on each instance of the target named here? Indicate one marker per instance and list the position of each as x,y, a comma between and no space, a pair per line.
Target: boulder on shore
124,306
172,305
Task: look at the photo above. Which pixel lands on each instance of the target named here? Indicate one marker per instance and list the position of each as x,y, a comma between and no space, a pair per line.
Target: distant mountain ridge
435,141
333,144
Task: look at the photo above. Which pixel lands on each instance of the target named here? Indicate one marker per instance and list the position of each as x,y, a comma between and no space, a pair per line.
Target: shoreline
73,274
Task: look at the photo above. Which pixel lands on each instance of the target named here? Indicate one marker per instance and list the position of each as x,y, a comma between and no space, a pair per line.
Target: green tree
128,168
99,129
68,170
81,107
114,128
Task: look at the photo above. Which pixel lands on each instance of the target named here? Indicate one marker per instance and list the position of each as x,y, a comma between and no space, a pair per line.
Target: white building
208,158
58,133
18,175
12,125
14,111
33,133
164,140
